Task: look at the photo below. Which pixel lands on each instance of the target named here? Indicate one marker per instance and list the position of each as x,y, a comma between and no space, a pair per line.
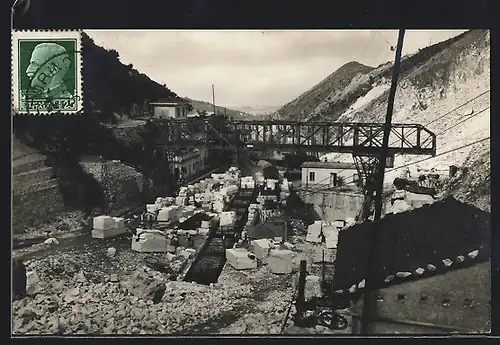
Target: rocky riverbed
89,292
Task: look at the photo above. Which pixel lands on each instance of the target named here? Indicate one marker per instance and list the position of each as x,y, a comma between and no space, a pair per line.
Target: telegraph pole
379,185
213,97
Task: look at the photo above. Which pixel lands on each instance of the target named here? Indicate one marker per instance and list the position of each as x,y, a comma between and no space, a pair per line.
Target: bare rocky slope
444,87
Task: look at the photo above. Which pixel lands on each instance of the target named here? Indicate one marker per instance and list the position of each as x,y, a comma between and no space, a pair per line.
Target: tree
135,111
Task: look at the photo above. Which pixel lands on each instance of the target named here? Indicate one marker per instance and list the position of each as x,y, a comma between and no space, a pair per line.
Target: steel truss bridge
362,140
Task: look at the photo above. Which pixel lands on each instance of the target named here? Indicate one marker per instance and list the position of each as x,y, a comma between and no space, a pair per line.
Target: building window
333,180
312,176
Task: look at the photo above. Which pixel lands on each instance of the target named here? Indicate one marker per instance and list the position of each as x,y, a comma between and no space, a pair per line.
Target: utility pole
213,97
379,185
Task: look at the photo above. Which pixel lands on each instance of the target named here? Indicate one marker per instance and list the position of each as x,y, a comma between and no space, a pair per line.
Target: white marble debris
169,256
447,262
187,254
179,250
331,233
51,241
389,278
227,218
33,284
460,258
107,227
168,213
104,223
113,278
203,232
419,271
261,248
431,267
205,224
119,222
192,232
314,232
241,259
361,284
353,288
280,261
340,223
149,241
278,239
403,274
288,245
473,254
111,252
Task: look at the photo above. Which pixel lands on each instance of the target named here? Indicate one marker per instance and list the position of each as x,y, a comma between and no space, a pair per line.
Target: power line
440,154
442,116
407,164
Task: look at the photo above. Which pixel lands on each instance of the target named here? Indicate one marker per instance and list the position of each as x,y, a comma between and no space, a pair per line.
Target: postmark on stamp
46,72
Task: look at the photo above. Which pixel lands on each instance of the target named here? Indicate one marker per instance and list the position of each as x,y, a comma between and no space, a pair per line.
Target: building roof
411,240
170,100
328,165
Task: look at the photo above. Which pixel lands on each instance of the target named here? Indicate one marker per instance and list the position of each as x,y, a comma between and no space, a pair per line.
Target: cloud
254,68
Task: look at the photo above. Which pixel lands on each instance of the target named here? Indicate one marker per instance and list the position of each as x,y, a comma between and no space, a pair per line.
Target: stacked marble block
106,227
241,259
253,217
247,182
279,261
227,219
149,241
328,230
285,191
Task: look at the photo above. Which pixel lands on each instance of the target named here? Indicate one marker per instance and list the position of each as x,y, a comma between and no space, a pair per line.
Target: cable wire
444,115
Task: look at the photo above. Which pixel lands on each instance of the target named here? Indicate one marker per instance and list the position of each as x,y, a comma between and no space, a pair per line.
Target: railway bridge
362,140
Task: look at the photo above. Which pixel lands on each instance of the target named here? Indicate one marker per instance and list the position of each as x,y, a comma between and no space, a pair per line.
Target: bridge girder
354,138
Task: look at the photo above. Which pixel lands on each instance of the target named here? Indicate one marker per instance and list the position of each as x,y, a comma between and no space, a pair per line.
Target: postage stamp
46,74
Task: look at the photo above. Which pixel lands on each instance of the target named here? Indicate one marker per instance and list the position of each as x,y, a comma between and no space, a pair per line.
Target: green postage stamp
46,72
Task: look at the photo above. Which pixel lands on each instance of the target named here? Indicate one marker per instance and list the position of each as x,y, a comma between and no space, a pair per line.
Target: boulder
152,208
280,261
104,223
119,222
149,241
241,259
314,232
227,218
167,214
261,248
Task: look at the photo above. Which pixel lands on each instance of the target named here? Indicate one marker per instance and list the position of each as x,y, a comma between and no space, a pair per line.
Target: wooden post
299,304
379,184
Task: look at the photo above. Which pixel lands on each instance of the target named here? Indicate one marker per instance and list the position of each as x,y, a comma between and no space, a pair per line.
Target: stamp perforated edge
49,34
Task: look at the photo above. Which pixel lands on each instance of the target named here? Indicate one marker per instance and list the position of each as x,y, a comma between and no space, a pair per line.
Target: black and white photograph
253,182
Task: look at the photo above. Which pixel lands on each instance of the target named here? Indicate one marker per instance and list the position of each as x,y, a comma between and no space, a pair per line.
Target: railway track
211,259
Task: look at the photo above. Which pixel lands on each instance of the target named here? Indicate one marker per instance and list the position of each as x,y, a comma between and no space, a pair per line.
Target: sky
254,68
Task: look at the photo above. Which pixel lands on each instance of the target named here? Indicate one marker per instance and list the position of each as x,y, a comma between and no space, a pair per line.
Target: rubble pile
144,302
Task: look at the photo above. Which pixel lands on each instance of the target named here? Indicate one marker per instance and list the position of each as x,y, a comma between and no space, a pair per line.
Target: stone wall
332,205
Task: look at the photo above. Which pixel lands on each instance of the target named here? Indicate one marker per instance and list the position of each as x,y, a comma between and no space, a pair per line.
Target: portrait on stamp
48,74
